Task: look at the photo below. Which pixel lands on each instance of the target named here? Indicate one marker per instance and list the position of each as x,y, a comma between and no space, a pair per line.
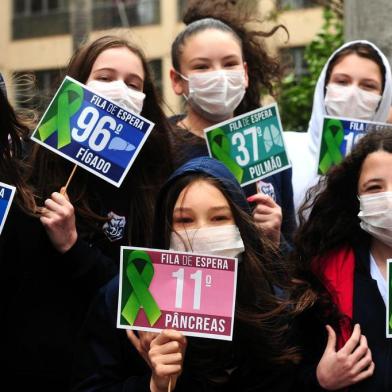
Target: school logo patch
267,189
114,228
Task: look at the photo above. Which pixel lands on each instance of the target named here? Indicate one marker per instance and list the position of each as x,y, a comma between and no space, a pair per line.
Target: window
39,94
181,6
293,59
37,18
109,13
156,68
293,4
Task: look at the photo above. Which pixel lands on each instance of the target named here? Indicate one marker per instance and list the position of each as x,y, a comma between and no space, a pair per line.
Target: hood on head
214,169
318,111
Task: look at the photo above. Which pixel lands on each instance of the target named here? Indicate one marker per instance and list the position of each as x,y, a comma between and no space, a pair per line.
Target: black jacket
368,311
106,361
44,299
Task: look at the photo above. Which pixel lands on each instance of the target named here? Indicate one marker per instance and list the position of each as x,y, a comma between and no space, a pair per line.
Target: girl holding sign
200,197
220,67
356,83
61,261
341,251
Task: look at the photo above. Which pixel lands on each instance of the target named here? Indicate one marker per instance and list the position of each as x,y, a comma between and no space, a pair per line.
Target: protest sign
7,193
250,145
92,131
188,292
339,136
389,299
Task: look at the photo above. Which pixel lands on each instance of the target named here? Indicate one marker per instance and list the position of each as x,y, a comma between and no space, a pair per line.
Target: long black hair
14,133
261,318
333,222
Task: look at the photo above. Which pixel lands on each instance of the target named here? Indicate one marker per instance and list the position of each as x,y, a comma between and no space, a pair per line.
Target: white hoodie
303,147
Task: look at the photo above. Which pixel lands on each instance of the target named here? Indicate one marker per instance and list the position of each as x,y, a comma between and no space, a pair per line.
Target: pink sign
189,292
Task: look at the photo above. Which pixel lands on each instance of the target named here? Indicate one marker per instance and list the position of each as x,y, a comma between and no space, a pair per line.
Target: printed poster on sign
250,145
389,299
192,293
339,136
7,193
92,131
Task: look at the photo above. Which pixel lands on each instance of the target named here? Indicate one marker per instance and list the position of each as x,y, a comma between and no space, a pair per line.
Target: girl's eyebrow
182,209
372,180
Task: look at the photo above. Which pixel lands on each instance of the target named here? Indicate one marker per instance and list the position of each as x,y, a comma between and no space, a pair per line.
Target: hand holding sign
166,356
267,215
58,218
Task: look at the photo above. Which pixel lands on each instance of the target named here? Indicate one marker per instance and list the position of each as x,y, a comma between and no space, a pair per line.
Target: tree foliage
296,93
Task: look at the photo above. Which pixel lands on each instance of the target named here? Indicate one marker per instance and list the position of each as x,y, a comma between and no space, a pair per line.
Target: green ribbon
221,148
333,137
60,121
138,284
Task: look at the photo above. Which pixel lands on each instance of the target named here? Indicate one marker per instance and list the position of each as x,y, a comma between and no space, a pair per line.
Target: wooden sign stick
63,190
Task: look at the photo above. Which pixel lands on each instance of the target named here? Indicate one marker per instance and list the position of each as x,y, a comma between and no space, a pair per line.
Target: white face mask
223,241
376,216
216,94
351,101
118,92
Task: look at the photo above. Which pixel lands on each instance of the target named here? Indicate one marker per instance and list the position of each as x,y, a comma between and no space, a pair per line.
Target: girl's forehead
209,41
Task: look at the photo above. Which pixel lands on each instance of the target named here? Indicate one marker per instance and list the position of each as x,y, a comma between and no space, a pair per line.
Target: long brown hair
14,133
149,170
263,69
262,318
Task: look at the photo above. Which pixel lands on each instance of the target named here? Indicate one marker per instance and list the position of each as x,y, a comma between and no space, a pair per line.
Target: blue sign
92,131
339,136
7,193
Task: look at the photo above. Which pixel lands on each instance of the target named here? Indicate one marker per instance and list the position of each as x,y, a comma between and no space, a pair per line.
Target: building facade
35,37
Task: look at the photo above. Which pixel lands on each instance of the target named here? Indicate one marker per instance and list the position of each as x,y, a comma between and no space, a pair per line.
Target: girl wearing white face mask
356,83
220,68
342,251
62,255
200,200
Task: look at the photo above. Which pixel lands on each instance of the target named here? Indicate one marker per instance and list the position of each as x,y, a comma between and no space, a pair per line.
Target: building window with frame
293,60
108,13
295,4
39,18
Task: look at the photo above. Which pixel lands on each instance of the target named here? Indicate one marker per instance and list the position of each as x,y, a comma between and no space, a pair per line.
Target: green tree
296,93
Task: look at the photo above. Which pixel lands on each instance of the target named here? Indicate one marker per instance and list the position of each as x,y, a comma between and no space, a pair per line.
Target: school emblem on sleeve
114,227
267,189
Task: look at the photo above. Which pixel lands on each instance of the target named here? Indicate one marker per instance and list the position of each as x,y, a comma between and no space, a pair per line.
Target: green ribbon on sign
221,148
333,137
60,121
139,283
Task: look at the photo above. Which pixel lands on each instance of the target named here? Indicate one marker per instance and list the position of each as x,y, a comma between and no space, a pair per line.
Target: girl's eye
219,218
370,87
182,219
373,188
200,66
103,78
231,64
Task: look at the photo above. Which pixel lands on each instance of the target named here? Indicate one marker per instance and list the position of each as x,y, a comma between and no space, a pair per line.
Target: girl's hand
58,218
166,356
267,215
350,365
142,343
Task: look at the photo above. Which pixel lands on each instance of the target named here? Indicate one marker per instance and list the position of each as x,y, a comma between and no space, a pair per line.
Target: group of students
310,303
